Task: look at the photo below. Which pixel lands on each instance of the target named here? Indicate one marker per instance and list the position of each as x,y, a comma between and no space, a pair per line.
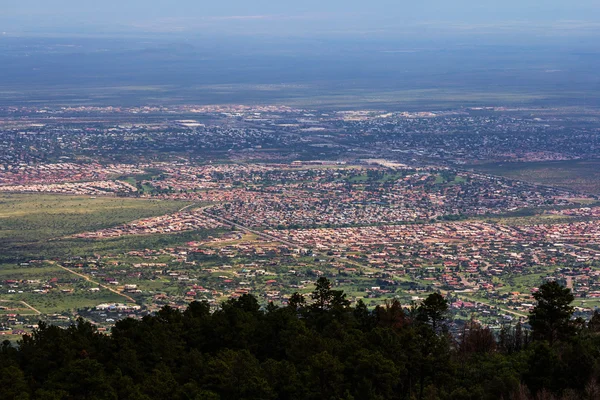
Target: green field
524,282
13,307
86,247
55,301
44,272
28,222
579,175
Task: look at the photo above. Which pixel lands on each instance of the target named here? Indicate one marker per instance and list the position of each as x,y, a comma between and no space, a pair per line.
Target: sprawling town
153,206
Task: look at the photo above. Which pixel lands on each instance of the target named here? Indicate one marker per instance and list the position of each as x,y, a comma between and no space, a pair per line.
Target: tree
324,376
245,351
197,309
594,324
433,310
390,315
339,302
237,375
326,299
518,341
13,384
550,318
476,339
365,320
296,301
322,294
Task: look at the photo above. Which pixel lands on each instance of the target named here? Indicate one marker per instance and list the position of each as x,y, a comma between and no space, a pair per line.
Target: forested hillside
314,348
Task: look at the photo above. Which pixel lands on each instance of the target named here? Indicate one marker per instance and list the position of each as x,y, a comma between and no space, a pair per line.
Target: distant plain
311,73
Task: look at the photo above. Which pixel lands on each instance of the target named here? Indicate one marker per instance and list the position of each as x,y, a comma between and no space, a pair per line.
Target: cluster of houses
471,136
171,223
343,197
92,188
480,242
25,175
268,195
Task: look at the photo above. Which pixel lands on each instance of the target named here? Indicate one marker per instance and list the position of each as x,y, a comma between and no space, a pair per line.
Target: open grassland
58,302
579,175
84,247
523,283
64,248
13,307
67,291
41,272
28,221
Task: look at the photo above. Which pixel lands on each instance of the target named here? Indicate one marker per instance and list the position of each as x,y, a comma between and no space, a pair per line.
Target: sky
305,18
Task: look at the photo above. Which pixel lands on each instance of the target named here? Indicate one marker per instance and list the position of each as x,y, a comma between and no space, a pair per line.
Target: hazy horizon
381,19
344,53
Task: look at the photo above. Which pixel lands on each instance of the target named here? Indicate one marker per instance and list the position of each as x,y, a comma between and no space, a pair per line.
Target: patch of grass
383,178
13,307
28,221
85,247
57,302
524,282
578,175
23,273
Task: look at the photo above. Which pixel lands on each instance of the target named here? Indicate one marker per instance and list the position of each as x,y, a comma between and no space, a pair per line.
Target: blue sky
304,17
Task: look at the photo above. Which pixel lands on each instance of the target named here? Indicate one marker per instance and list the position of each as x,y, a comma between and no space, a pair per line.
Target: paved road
289,243
186,207
246,229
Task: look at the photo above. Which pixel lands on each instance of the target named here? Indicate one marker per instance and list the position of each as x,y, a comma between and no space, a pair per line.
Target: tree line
317,347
